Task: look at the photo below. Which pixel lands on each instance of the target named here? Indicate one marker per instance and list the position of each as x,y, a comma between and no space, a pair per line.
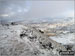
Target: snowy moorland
21,40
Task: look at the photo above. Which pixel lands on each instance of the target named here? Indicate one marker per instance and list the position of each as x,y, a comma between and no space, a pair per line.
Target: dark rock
41,31
40,42
13,23
68,47
47,46
22,35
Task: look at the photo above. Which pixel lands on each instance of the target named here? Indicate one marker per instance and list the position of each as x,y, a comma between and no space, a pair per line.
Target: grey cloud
29,10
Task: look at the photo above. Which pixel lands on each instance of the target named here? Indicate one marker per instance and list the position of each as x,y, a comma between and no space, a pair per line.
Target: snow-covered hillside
21,40
17,40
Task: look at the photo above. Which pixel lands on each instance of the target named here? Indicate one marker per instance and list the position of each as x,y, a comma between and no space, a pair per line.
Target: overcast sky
51,9
36,9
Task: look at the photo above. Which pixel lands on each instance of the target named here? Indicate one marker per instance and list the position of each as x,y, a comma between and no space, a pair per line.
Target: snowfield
65,38
19,40
13,42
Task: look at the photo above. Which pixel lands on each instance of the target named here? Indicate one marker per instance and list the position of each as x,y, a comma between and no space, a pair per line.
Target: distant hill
39,20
